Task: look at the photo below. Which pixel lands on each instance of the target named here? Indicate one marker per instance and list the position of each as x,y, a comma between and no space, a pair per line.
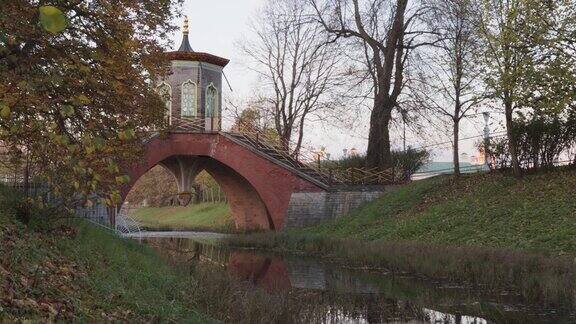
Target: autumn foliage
76,90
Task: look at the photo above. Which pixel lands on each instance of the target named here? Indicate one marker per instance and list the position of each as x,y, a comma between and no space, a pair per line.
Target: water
336,294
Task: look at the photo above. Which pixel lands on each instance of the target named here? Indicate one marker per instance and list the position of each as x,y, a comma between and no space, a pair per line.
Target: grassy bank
63,272
487,229
536,213
199,217
71,271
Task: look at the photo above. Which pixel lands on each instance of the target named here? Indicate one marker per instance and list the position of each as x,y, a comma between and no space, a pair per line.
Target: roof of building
186,53
198,57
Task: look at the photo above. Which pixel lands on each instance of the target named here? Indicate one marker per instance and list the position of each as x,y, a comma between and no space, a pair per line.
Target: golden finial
185,29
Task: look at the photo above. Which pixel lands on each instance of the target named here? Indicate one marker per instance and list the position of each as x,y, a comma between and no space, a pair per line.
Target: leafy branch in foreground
76,95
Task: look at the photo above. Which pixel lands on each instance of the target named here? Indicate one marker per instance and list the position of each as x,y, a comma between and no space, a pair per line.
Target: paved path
195,235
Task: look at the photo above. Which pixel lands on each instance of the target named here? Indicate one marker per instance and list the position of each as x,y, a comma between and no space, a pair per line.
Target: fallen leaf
49,308
25,303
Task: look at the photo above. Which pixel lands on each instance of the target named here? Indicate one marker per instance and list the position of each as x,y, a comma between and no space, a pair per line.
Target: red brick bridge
258,185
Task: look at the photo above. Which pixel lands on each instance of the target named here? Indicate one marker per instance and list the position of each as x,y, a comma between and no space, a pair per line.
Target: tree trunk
378,154
285,138
456,148
26,179
296,151
512,140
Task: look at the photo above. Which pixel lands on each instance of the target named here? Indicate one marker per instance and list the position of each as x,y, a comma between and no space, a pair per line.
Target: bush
404,163
540,141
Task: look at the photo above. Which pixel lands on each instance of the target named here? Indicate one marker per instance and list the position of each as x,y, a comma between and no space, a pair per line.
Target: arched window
188,103
165,92
211,101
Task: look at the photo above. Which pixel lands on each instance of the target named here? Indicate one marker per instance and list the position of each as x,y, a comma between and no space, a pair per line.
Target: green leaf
122,179
5,111
52,19
83,99
127,134
113,167
67,110
130,134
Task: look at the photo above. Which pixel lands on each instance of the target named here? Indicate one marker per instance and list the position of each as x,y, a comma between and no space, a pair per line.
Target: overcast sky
217,25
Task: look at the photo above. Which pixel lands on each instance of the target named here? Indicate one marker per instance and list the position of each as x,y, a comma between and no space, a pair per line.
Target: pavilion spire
185,45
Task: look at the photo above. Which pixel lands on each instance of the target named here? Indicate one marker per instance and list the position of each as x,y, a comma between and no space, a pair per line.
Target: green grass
205,216
72,271
536,213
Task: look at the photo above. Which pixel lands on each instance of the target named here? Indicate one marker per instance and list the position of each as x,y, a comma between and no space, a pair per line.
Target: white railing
126,225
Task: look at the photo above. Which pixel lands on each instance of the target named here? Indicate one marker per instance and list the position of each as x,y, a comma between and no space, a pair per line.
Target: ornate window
211,101
188,103
164,90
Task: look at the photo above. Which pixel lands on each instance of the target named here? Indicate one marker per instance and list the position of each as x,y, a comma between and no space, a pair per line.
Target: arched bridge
266,190
257,186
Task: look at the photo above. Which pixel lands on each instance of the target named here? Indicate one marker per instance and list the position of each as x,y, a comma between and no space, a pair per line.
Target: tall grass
538,278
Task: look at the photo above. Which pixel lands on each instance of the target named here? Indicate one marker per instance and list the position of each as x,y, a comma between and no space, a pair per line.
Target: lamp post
486,115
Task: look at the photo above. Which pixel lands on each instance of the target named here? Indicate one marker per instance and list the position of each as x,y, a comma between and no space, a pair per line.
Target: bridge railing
311,159
308,160
126,225
192,124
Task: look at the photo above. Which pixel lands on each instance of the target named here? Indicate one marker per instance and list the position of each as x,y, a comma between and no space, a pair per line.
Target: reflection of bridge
360,294
265,187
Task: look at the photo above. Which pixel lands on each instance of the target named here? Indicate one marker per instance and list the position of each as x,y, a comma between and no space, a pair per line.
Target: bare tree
449,81
298,67
388,31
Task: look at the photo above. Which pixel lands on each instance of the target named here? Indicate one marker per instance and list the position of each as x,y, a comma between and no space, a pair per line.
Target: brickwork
257,189
262,194
310,208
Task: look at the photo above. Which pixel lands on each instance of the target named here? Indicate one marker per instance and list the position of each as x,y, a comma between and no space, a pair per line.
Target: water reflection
333,294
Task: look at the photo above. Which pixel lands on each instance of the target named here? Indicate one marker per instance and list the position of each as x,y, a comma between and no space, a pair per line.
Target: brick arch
258,190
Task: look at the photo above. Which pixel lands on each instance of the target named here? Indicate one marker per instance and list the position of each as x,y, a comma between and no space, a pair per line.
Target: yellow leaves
122,179
113,167
83,99
61,139
127,135
5,110
84,68
22,84
52,19
114,198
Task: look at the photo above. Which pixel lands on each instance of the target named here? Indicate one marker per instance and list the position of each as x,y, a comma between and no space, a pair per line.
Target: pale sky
217,25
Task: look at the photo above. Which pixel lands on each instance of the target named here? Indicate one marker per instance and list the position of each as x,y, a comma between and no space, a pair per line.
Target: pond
336,294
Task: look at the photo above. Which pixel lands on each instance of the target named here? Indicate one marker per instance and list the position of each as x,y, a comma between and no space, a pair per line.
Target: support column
184,169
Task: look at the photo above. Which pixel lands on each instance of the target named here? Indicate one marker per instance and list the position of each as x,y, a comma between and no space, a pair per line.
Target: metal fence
212,195
98,213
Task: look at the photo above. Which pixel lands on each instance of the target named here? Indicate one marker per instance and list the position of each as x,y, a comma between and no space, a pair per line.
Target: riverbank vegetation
63,271
54,270
196,217
488,229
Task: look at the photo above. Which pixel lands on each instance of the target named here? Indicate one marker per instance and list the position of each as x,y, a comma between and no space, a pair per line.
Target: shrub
540,141
404,163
